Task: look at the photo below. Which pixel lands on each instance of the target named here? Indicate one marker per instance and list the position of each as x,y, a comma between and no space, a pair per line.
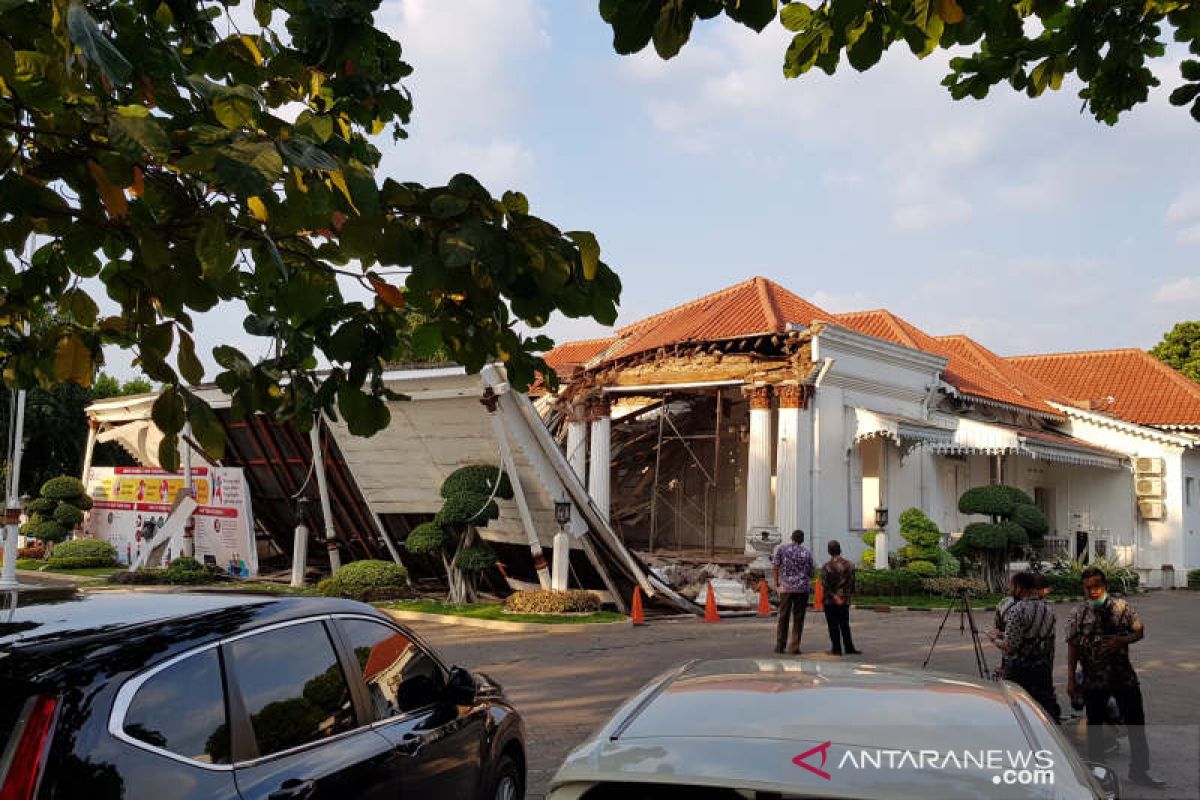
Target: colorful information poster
126,498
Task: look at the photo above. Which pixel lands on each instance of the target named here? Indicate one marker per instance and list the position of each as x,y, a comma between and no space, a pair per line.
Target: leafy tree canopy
1180,349
1032,45
186,161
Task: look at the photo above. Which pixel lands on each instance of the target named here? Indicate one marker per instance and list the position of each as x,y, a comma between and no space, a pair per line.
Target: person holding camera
1099,633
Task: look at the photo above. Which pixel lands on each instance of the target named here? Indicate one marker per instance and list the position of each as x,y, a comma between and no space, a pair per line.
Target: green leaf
207,429
302,153
235,111
365,414
427,341
73,361
632,22
445,206
867,50
80,306
1185,94
168,453
168,412
213,248
96,47
137,137
672,30
189,366
589,251
795,16
515,203
1190,70
754,14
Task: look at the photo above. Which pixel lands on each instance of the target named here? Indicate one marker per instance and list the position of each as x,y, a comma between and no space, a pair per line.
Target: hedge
543,601
926,569
887,582
81,553
426,538
367,580
1193,579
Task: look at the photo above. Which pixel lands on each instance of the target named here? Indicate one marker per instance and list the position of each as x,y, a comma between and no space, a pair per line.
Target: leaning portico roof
1129,384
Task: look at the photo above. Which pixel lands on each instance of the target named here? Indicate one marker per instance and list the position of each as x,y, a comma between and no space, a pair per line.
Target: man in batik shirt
1028,643
793,571
1099,633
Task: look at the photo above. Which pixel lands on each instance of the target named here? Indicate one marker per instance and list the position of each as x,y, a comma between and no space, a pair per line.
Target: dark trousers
1129,700
792,608
1038,680
837,617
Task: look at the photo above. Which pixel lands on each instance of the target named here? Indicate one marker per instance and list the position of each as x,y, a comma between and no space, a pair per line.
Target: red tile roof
972,369
1129,384
568,355
384,654
754,306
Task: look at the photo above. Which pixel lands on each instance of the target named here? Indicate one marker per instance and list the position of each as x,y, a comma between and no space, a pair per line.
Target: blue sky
1022,223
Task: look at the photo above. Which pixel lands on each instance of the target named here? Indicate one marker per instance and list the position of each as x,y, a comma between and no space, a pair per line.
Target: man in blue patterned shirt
793,570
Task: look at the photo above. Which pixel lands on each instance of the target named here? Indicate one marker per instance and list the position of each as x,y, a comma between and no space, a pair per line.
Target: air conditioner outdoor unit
1148,466
1149,487
1151,509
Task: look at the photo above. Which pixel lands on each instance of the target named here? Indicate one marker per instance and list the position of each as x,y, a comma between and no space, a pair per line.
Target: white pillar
299,553
577,456
318,454
788,452
881,550
90,448
758,472
12,512
561,573
599,466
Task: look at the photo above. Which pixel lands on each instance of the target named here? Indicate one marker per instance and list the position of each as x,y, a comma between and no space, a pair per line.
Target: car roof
49,630
851,704
743,723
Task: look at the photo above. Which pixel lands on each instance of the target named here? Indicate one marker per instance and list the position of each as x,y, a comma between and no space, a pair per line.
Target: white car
775,728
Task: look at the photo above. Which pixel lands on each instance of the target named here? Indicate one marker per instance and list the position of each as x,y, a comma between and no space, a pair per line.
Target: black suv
208,695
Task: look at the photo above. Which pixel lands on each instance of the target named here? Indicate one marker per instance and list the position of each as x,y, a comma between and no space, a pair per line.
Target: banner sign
126,498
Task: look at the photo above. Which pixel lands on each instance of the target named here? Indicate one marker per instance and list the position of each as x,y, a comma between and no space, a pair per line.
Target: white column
758,471
577,456
89,448
599,467
788,450
318,454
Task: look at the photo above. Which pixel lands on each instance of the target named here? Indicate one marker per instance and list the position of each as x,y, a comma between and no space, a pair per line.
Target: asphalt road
567,684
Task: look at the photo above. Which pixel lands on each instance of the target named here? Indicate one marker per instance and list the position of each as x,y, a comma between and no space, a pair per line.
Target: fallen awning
1066,450
904,431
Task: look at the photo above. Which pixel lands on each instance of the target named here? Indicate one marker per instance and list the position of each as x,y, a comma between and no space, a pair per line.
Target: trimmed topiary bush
68,515
467,508
475,559
40,505
1032,520
995,500
542,601
63,487
81,553
886,582
922,535
477,479
46,530
426,538
367,581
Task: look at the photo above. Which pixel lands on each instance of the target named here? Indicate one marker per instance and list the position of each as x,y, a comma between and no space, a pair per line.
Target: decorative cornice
760,398
792,395
882,390
1153,434
855,343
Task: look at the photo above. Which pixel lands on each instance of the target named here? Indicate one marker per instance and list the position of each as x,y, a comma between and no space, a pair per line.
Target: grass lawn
38,565
495,611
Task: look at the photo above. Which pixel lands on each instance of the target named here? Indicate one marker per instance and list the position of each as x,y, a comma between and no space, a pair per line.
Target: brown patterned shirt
837,576
1087,629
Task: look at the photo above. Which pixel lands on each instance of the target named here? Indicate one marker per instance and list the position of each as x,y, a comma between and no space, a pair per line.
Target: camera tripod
962,604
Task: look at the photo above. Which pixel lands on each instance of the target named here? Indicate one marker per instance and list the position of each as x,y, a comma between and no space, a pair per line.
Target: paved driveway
566,684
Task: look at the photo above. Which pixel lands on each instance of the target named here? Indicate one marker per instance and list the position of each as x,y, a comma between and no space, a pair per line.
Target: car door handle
294,789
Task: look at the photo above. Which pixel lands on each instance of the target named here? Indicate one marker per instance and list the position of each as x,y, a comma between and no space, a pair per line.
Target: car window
400,675
182,709
292,686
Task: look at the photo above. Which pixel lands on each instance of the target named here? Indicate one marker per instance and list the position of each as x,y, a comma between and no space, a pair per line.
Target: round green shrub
1031,519
868,557
887,582
79,553
983,536
366,581
68,515
1015,535
40,505
995,500
46,530
467,508
479,479
84,502
948,566
426,538
544,601
476,558
1193,579
926,569
63,487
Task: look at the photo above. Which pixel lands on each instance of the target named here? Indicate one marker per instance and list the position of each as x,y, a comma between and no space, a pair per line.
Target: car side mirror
461,687
1107,778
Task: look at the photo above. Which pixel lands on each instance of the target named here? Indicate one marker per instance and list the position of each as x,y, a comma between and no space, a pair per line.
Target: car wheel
508,783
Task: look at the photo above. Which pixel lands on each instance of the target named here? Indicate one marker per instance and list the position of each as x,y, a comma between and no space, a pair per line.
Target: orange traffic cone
764,600
710,606
638,617
819,602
